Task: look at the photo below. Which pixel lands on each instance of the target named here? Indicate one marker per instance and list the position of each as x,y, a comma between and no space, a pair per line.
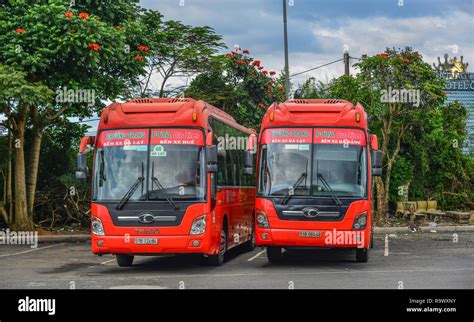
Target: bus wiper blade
132,190
333,195
154,180
295,186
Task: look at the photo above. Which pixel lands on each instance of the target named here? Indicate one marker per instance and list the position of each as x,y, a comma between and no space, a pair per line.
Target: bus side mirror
81,166
248,163
86,143
211,157
376,163
374,142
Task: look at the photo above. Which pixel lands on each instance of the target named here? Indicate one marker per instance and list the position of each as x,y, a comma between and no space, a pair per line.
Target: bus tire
218,259
362,255
274,254
124,260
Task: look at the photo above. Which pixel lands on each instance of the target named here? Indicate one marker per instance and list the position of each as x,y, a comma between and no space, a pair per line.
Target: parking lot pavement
421,260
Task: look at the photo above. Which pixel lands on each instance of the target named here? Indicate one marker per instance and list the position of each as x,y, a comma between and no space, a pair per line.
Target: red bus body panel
236,204
314,114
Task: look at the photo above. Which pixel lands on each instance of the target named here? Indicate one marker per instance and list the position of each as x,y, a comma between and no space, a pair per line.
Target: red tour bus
316,163
166,178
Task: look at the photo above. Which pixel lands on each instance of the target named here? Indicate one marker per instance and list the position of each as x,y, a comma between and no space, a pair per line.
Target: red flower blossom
20,30
139,57
406,61
281,88
143,48
261,105
73,30
256,63
240,61
230,55
272,73
269,87
84,15
260,68
69,14
246,52
265,72
94,47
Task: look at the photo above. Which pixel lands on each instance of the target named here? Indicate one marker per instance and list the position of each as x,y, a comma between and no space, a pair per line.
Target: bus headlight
262,220
199,226
97,227
360,221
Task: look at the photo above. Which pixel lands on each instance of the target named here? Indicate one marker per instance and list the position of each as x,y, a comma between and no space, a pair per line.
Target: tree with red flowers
240,85
53,45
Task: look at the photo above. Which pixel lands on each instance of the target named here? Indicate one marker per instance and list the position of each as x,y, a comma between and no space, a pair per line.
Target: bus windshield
171,163
307,169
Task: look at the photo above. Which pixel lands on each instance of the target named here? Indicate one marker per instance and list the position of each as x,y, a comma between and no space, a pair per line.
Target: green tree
238,84
176,49
58,45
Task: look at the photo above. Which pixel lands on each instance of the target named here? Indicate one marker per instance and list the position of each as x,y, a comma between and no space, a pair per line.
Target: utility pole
287,68
346,62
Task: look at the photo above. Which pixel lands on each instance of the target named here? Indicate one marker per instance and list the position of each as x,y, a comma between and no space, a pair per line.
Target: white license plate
146,241
310,234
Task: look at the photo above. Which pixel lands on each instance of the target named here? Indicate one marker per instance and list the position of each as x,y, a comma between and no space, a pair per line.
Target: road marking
386,245
106,262
442,270
258,254
136,287
31,250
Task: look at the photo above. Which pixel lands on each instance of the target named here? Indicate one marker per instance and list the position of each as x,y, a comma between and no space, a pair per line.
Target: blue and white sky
319,29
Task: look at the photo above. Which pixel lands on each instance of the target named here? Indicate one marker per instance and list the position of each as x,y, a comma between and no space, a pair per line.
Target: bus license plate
146,241
311,234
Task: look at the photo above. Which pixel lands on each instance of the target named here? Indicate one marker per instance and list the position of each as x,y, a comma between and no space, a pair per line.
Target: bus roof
163,112
315,112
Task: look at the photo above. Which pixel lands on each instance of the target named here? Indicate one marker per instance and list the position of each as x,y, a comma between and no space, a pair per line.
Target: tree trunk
381,204
9,192
22,220
33,165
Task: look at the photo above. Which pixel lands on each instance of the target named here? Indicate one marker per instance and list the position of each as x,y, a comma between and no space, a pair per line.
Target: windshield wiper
295,186
154,180
132,190
328,187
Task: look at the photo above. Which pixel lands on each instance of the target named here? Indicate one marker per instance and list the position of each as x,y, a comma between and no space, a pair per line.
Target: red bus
316,165
168,177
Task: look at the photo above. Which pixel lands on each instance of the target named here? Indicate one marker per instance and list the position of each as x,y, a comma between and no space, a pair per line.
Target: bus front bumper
323,238
154,244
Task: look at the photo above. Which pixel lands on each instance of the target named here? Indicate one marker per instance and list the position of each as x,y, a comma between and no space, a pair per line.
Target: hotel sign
455,73
461,82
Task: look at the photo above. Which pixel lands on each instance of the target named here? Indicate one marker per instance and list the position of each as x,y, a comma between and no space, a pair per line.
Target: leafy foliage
238,84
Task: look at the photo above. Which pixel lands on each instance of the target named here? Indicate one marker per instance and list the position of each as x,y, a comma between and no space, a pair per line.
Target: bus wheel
273,254
218,259
124,260
362,255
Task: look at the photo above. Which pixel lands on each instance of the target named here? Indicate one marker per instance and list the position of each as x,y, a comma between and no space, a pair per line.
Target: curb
388,230
63,238
377,231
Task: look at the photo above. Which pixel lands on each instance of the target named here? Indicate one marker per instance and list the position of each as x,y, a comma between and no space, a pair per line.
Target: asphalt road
421,260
